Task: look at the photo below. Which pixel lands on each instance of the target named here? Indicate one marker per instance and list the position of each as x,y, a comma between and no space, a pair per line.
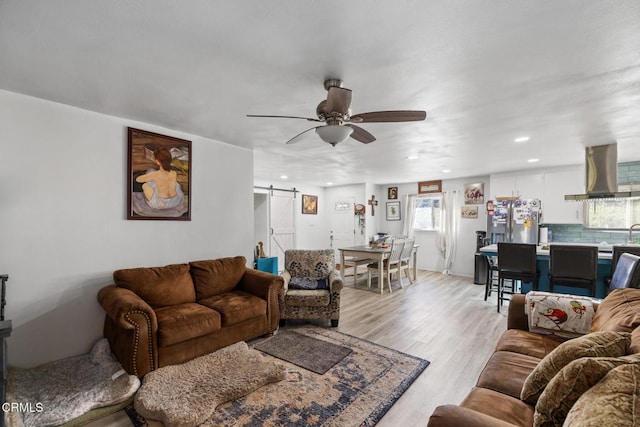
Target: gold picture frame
392,193
426,187
309,204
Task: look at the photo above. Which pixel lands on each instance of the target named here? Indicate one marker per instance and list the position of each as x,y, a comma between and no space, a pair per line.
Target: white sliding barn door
282,214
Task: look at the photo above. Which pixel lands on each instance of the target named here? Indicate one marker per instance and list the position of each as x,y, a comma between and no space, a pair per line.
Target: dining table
378,254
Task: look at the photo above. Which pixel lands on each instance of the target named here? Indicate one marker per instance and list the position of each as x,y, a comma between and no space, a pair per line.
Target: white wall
63,226
261,218
429,258
466,244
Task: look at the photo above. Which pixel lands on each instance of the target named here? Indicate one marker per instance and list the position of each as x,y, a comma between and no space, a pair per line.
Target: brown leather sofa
495,400
161,316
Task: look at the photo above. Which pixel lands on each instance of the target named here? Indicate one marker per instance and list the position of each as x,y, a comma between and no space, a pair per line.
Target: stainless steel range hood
602,175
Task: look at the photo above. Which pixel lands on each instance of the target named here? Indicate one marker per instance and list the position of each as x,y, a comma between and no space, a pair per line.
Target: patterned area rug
357,391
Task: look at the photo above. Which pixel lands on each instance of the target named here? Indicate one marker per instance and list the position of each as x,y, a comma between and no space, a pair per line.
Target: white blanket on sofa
566,316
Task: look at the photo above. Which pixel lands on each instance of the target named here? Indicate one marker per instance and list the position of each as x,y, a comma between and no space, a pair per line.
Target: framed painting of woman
159,176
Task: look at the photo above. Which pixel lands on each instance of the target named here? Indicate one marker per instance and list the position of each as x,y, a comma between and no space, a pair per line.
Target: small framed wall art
392,193
158,176
474,193
309,204
393,211
469,212
425,187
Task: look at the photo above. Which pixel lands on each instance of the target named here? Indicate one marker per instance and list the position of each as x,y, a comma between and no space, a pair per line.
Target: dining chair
575,266
356,262
405,260
390,264
517,262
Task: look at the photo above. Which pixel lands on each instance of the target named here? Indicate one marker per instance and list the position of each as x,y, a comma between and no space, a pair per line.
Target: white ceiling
564,72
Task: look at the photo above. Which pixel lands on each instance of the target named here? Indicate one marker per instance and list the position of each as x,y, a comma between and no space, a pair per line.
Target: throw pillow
570,383
613,402
619,311
304,283
566,316
158,286
596,344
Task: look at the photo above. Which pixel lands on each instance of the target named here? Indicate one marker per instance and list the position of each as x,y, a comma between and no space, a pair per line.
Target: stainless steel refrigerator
513,221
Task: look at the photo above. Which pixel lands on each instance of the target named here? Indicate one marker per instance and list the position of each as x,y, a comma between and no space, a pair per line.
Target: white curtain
449,226
409,201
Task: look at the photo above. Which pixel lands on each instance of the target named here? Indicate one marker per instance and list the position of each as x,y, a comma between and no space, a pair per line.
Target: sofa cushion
178,323
596,344
307,298
158,286
500,406
619,311
518,366
529,343
634,347
570,383
217,276
236,306
614,401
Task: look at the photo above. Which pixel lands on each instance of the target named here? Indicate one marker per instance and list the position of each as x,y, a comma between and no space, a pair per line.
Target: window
427,212
612,213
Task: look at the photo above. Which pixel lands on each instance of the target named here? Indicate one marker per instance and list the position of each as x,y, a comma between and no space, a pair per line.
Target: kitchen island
542,254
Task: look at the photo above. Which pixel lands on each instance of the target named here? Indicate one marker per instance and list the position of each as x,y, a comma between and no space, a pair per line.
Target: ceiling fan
335,112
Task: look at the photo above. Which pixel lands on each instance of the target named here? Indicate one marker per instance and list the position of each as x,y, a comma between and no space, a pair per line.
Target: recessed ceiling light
522,139
329,183
412,157
533,160
283,177
446,170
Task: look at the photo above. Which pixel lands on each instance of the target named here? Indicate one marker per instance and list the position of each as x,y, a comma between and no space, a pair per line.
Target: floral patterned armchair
312,286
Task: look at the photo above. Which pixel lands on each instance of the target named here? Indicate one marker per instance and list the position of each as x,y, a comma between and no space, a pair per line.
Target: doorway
343,224
282,225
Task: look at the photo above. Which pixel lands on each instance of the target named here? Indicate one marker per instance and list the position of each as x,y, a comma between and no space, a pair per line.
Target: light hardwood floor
443,319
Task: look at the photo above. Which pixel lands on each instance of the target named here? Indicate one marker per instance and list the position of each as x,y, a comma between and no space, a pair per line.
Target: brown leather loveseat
161,316
586,391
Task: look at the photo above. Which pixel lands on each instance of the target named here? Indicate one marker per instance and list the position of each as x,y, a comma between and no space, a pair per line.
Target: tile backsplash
576,233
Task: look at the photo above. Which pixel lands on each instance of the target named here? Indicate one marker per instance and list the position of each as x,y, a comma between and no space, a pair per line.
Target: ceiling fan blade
285,117
338,100
389,116
299,136
361,135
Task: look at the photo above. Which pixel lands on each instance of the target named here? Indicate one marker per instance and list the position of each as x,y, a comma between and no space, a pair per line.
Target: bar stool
624,275
618,250
492,282
575,266
516,262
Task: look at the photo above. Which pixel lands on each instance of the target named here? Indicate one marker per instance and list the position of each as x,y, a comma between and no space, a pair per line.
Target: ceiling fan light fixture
334,134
